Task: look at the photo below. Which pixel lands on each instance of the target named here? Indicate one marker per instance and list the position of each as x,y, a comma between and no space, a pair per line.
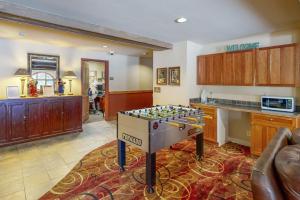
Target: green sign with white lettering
240,47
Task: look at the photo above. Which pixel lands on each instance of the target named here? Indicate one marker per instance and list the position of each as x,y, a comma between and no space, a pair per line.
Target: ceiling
208,20
17,31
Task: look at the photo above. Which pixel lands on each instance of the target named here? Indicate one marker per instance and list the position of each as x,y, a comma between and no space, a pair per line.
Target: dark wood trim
106,81
128,100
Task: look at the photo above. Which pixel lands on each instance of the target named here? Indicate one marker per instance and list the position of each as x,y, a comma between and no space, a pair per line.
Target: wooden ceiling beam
21,14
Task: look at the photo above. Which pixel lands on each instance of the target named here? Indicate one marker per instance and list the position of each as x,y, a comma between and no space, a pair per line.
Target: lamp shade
22,72
69,75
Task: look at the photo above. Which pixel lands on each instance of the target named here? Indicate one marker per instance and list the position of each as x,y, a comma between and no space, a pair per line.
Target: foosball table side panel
133,131
166,136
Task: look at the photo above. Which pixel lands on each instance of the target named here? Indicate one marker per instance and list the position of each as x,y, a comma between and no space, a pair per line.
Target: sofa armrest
295,139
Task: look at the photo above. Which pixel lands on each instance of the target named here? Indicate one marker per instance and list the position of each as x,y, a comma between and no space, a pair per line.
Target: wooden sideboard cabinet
264,127
23,120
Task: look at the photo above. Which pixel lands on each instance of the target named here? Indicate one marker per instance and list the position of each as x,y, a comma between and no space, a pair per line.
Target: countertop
38,97
248,109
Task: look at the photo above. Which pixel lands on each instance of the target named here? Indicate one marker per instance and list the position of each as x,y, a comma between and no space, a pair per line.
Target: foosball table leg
150,171
199,146
121,154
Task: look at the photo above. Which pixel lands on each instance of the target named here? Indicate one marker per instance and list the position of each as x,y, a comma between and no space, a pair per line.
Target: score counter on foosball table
152,129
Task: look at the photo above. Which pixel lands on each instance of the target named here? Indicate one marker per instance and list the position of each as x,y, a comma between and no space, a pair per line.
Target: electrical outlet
248,133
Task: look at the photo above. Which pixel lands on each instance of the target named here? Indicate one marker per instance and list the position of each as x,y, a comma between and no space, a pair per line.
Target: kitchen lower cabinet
264,127
210,128
27,119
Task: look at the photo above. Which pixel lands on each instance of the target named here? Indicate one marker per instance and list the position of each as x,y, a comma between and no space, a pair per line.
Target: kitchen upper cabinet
270,66
276,66
17,121
201,70
238,68
209,69
3,123
262,67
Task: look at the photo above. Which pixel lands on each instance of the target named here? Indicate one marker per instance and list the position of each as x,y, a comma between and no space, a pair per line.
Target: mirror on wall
43,68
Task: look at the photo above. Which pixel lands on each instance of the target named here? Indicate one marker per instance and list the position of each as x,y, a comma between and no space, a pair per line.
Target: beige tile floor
29,170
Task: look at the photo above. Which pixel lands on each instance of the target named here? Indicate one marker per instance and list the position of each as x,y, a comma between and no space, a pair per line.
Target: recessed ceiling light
104,46
180,20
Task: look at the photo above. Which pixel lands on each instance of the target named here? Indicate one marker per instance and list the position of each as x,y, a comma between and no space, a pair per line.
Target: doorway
95,87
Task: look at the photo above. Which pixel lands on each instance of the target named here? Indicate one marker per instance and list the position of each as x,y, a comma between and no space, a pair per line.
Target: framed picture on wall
162,76
174,75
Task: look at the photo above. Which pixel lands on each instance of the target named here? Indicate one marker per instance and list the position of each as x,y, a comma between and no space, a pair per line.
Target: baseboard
239,141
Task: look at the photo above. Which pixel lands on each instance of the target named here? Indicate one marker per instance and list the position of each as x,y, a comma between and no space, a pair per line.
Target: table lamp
23,74
70,75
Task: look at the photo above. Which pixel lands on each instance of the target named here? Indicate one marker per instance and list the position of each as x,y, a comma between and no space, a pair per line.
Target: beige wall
125,70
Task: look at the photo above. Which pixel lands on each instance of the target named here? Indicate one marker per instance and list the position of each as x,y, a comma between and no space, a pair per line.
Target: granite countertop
248,109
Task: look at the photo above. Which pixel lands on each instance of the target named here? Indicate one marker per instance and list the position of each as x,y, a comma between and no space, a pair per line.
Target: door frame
106,81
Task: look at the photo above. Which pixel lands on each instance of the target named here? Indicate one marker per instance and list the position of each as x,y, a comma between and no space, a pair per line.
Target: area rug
224,173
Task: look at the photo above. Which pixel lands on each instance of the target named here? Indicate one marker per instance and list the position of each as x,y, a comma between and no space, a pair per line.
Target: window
43,78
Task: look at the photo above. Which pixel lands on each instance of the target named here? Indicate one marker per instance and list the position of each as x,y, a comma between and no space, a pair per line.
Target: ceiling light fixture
104,46
180,20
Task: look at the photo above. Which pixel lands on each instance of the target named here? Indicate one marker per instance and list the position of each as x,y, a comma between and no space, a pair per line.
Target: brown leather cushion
296,136
287,163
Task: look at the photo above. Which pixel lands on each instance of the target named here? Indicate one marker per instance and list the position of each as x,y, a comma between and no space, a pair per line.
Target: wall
145,73
125,70
185,53
171,58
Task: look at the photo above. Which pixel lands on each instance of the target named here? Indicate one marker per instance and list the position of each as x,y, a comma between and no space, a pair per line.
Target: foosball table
151,129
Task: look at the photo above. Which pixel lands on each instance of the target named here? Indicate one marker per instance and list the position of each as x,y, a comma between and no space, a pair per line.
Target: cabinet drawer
273,120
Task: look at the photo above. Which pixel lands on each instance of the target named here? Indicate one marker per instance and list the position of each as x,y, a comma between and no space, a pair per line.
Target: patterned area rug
224,173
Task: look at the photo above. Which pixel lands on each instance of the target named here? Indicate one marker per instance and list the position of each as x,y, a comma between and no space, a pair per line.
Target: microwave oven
285,104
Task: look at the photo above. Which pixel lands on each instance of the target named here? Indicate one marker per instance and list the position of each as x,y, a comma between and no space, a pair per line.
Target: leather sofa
276,173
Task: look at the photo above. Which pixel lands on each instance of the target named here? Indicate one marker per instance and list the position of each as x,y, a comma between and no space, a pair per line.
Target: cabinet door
17,121
3,123
35,118
247,68
201,71
288,62
257,140
228,71
271,131
218,60
274,66
56,116
262,67
237,68
72,113
209,65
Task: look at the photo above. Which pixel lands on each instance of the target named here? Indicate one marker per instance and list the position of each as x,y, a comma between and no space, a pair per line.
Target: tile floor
29,170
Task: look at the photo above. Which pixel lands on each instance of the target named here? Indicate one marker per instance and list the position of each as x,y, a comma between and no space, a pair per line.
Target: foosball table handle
207,117
197,126
178,125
